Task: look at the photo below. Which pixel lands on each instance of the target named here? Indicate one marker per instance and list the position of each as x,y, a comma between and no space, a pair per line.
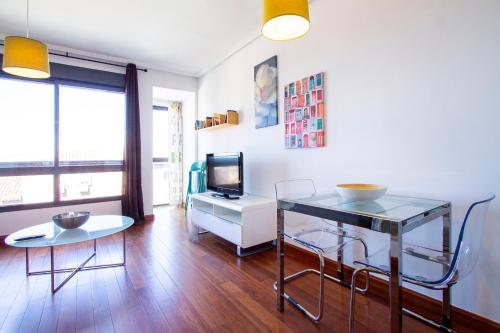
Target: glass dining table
391,214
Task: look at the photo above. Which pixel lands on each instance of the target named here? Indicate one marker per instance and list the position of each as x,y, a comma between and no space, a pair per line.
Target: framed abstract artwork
266,93
305,112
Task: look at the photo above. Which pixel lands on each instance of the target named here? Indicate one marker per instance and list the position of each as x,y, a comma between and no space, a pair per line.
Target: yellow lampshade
25,57
285,19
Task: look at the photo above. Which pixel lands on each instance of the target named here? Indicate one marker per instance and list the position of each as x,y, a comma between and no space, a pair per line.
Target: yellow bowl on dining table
361,192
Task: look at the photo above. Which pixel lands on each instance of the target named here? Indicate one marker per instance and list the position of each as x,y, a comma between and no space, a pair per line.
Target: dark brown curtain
132,204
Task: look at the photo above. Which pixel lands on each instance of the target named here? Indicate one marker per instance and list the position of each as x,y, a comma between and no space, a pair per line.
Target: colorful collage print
305,113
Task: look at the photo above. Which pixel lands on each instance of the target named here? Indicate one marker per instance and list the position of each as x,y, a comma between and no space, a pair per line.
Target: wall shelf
216,127
218,121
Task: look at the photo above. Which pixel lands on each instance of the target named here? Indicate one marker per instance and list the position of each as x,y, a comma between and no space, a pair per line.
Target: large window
26,124
61,143
91,126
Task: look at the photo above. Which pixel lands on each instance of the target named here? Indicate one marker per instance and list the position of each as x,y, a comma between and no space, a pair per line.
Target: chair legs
352,305
322,276
353,293
428,321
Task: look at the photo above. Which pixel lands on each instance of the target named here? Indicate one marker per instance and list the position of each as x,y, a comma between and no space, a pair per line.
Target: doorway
167,179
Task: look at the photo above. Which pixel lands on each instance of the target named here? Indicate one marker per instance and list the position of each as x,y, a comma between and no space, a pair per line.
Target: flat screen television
225,174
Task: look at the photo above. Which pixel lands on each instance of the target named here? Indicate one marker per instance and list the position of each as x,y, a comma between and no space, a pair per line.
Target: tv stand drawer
225,229
203,219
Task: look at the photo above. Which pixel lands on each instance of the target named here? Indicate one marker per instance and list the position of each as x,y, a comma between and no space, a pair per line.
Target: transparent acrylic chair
318,235
434,269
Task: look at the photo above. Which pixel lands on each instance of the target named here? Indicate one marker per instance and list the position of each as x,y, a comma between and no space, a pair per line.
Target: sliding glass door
160,156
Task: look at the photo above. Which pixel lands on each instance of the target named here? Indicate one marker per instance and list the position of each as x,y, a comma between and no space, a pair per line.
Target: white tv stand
246,222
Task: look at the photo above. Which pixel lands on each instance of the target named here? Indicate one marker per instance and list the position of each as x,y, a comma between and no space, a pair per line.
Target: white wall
413,102
12,221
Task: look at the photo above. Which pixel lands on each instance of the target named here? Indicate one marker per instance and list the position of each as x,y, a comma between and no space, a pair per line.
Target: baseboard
412,300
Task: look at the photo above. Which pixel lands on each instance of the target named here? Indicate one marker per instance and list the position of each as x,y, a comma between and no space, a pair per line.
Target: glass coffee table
96,227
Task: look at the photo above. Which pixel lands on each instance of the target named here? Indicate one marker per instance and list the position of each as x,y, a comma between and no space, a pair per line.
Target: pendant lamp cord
27,18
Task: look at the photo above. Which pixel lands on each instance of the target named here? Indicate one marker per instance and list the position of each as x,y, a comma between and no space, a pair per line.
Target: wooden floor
170,284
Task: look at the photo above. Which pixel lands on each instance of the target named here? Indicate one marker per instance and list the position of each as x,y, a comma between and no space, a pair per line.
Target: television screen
225,173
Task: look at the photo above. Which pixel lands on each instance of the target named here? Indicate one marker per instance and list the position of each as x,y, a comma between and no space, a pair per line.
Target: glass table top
96,227
388,207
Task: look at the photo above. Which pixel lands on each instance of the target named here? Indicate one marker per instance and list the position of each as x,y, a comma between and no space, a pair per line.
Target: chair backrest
198,170
295,189
198,166
200,185
469,240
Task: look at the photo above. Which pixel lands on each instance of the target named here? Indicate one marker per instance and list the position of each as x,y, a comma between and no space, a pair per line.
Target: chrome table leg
395,278
321,285
52,269
27,262
340,255
280,240
124,248
446,309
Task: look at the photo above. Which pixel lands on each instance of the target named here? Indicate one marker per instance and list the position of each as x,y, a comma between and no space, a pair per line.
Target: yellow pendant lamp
285,19
23,56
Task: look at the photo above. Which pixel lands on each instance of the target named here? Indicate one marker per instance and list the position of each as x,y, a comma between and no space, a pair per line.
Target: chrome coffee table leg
74,270
27,261
124,249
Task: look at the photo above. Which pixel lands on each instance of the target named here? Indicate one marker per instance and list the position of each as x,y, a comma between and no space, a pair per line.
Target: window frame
57,170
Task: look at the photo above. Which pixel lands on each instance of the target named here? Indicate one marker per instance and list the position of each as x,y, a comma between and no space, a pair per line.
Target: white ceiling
183,36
